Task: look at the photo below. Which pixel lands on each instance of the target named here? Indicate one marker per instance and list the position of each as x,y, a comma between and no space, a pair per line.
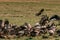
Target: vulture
40,12
6,22
56,17
58,32
1,22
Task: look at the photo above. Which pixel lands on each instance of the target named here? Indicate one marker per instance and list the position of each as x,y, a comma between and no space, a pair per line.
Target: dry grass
30,1
21,12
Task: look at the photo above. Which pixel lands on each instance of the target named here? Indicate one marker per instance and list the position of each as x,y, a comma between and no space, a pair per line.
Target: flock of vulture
44,26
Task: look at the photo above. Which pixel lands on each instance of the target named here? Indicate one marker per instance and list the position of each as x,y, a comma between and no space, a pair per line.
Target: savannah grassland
21,11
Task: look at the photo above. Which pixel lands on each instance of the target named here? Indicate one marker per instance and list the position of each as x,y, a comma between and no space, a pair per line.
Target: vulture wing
55,17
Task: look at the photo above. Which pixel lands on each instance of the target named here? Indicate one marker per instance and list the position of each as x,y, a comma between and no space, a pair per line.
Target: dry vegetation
29,0
22,12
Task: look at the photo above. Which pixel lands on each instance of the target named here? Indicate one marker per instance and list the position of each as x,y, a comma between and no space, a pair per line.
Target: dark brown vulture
1,22
40,12
58,32
56,17
6,22
44,19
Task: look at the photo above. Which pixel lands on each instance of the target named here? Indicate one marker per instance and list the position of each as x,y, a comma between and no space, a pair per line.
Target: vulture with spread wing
56,17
